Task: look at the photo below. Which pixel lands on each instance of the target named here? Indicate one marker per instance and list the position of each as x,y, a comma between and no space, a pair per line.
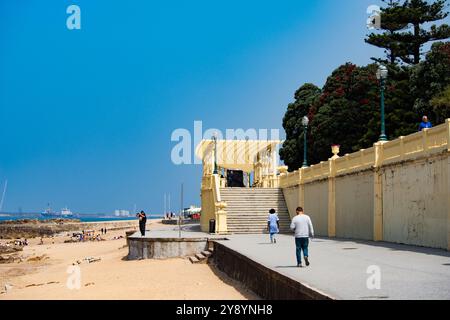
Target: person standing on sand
303,228
273,225
142,221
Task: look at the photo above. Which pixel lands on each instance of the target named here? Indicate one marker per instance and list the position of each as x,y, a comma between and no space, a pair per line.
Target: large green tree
346,110
292,150
407,28
429,79
441,104
400,118
345,107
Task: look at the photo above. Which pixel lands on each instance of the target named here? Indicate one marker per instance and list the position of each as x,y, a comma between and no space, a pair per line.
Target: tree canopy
346,111
404,31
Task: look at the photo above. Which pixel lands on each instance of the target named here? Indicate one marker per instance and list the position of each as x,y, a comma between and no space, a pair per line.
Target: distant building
122,213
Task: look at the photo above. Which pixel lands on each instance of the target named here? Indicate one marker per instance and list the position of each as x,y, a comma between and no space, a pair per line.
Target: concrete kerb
165,247
265,282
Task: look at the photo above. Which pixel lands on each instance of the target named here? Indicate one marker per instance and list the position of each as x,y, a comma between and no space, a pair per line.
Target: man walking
273,225
303,228
142,221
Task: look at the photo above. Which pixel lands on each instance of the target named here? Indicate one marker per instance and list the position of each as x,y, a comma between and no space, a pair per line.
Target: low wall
164,248
292,200
316,205
263,281
416,202
354,205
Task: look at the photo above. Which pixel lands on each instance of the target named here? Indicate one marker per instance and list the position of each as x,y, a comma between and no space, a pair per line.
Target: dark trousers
301,244
142,227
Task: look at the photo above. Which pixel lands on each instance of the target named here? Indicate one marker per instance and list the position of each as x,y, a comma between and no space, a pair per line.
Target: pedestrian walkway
339,268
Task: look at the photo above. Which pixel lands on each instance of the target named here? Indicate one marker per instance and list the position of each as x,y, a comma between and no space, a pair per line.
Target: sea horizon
5,216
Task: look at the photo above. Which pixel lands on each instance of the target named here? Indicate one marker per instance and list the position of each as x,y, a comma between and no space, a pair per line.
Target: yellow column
332,199
301,189
221,218
448,183
448,199
378,194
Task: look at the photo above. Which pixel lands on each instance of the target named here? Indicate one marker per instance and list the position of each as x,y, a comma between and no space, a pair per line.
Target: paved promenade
339,267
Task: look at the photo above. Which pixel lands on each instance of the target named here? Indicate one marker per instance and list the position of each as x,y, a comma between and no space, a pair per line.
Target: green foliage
429,79
389,25
345,107
441,104
404,33
346,111
292,151
400,118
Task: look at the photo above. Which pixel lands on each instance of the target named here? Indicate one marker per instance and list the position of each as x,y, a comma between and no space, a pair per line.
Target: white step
247,209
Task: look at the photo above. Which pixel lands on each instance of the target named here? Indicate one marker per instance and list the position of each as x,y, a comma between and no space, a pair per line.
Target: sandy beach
44,274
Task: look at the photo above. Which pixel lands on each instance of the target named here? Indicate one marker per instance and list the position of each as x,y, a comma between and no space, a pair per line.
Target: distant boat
65,213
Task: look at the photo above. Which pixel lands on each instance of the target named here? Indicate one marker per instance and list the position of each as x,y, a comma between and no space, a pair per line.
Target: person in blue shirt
273,225
425,124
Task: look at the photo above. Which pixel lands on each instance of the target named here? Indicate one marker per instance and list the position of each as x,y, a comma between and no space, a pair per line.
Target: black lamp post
305,122
382,74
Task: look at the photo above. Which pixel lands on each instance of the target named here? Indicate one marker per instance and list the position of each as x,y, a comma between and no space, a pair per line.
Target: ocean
81,217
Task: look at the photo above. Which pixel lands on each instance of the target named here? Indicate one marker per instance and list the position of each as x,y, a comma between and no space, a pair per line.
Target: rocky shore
28,228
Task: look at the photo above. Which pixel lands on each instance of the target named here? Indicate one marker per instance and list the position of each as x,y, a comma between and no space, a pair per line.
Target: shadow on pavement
391,246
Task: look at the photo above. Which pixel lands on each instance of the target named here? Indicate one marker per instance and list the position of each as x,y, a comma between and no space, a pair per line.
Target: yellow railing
316,172
415,145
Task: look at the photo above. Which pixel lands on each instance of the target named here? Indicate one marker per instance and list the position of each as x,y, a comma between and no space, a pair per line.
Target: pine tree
417,13
405,33
389,23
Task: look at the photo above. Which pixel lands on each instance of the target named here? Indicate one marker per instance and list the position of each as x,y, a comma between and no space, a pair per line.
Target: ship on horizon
64,213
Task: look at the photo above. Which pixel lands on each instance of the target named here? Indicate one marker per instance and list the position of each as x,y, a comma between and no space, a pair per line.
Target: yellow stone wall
396,191
212,206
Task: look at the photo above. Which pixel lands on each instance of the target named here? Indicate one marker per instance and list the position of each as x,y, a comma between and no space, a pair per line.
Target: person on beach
142,221
303,228
273,225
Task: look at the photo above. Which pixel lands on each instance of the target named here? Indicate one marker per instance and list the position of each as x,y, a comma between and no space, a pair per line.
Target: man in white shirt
303,228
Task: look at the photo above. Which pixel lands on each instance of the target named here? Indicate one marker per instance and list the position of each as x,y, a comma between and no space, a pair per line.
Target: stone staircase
248,209
202,257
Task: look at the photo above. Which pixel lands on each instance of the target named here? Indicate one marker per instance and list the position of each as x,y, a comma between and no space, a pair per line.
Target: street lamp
305,122
382,74
215,153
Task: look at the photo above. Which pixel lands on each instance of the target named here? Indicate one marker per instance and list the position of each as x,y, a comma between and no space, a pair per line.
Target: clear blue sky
86,115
